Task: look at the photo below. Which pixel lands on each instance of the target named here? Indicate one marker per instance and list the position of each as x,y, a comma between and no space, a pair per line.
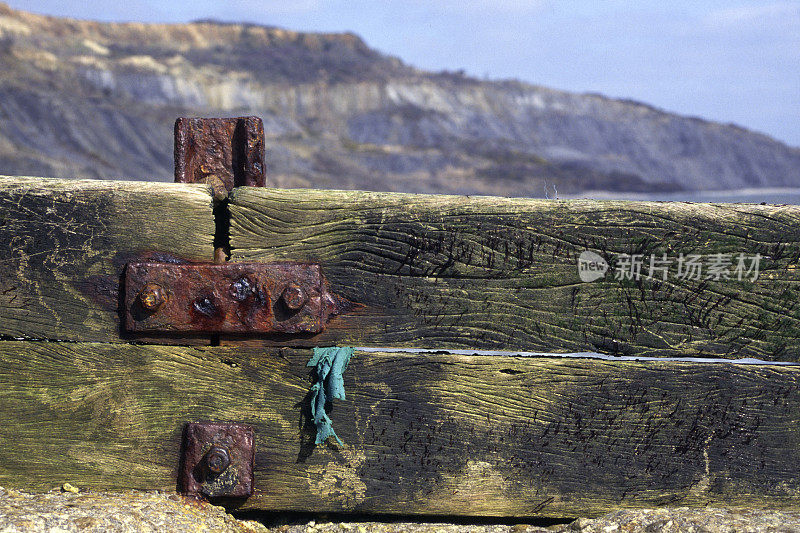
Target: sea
784,195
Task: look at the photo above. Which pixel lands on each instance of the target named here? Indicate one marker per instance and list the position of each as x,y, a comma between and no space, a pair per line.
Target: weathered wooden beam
479,272
64,243
432,434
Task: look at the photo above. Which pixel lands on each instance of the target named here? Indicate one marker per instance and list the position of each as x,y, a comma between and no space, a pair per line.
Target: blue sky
731,61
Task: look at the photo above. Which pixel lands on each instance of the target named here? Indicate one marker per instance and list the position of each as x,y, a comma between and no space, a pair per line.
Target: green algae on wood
64,244
427,434
500,273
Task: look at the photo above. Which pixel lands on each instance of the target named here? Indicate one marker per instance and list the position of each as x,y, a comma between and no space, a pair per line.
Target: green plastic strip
330,364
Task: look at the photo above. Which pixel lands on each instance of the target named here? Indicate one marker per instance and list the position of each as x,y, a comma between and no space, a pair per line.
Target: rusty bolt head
217,460
206,306
294,296
152,296
242,288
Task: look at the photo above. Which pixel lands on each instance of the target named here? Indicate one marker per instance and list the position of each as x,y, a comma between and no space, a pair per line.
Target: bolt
152,297
217,460
205,306
294,296
241,289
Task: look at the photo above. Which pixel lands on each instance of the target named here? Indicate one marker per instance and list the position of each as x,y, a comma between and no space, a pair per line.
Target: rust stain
103,289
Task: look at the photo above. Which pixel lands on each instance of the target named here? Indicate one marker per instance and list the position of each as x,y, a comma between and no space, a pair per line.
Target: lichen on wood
426,434
501,273
64,244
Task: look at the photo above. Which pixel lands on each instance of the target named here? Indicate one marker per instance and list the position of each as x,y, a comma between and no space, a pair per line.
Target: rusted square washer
218,459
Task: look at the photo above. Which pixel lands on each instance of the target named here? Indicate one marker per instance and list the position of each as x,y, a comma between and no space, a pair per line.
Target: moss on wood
64,243
433,434
479,272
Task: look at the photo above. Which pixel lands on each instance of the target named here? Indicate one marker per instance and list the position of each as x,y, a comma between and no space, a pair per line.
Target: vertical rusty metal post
230,150
224,153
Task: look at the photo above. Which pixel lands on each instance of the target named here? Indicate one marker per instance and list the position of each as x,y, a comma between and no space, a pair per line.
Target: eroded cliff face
88,99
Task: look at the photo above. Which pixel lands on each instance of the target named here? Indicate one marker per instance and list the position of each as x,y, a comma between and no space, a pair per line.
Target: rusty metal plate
218,459
281,297
230,149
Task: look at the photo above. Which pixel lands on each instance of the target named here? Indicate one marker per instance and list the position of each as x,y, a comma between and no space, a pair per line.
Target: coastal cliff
90,99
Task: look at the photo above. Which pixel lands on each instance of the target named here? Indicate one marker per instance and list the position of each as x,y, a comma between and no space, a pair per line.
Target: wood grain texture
64,243
446,271
433,434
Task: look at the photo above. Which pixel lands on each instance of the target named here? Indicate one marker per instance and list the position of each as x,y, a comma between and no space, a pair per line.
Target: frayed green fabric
330,364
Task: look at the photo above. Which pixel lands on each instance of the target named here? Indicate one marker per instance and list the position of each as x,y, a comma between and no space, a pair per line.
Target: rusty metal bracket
281,297
224,151
218,459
